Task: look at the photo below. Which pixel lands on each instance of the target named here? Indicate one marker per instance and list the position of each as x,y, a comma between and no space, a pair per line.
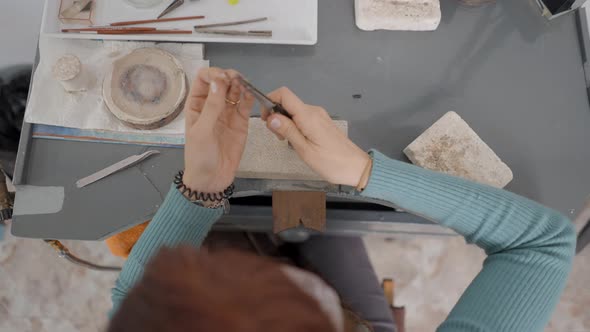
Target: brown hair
188,290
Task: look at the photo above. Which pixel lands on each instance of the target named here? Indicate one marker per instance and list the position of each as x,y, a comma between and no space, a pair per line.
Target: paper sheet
50,104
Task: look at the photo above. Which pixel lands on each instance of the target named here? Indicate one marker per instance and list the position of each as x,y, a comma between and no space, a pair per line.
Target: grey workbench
514,77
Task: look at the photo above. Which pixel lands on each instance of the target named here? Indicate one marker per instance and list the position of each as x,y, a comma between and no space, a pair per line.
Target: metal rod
105,28
226,24
252,33
172,19
141,32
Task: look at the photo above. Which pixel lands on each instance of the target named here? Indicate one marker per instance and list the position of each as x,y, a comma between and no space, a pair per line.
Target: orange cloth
122,243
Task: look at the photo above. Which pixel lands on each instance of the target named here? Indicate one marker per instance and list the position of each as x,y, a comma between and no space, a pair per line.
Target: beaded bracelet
195,195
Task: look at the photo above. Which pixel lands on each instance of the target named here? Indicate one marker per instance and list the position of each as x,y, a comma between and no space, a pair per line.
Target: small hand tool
266,102
175,4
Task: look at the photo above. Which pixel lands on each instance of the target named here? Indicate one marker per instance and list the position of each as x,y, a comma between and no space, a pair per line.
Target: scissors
264,100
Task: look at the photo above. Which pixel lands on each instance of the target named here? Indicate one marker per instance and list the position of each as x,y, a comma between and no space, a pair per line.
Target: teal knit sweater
530,248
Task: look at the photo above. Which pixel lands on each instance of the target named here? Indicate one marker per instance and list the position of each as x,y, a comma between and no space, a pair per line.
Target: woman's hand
216,130
317,140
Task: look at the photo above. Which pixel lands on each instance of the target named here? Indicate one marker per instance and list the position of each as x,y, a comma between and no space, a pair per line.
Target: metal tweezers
175,4
266,102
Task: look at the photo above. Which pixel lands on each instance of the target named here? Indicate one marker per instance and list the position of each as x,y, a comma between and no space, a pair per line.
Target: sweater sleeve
529,248
177,222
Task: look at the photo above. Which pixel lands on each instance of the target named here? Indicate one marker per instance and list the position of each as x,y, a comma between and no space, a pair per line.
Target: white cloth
50,104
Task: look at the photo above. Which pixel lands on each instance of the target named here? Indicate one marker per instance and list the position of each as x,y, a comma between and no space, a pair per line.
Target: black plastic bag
14,90
13,100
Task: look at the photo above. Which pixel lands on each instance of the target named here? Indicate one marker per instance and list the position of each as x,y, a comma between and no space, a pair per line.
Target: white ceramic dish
293,22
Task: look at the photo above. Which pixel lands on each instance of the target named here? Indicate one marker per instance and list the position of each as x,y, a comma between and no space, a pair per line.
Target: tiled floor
432,273
41,292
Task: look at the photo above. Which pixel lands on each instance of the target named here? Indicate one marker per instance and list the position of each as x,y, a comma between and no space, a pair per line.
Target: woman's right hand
317,140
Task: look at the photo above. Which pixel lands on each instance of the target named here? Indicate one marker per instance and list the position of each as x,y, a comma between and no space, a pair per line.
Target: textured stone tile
452,147
420,15
266,157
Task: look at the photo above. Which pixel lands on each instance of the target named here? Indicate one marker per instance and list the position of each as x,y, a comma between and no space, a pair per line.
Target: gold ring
231,102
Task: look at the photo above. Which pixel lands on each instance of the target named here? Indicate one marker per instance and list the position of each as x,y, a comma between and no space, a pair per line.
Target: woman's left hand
216,129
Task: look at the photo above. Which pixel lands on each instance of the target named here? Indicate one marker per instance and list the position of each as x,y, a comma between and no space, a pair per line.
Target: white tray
293,22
